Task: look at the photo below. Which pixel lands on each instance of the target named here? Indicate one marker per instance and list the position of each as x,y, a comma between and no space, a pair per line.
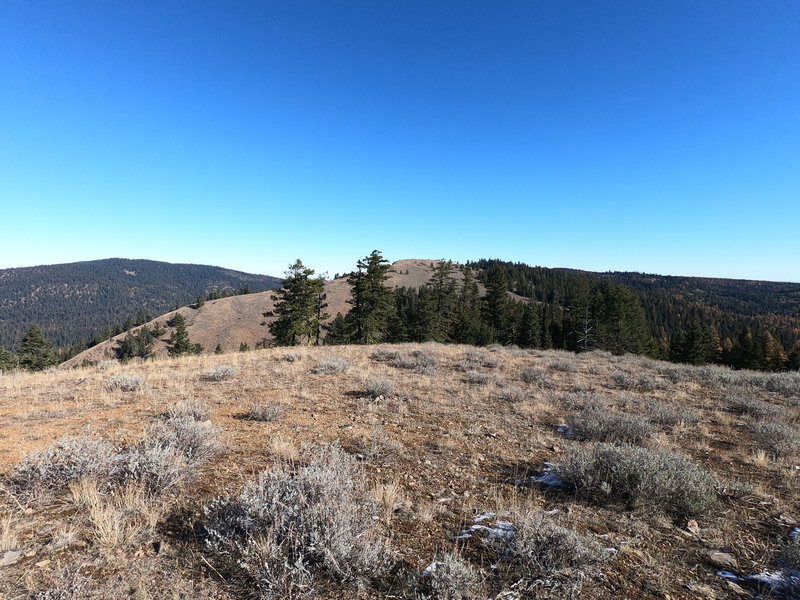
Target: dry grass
437,450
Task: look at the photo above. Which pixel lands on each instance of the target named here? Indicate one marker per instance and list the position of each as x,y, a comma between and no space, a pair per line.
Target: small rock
61,542
10,557
786,520
736,588
693,527
43,563
724,560
702,590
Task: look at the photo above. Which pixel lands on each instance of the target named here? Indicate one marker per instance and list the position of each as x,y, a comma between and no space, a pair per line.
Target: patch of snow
500,530
777,581
566,431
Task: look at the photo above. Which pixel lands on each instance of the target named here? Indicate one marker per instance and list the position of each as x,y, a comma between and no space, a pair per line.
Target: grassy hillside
347,472
72,302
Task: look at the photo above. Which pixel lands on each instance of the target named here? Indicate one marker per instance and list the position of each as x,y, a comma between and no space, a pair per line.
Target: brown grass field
442,434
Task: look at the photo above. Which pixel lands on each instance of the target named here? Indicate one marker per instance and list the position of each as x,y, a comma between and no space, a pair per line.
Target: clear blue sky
657,136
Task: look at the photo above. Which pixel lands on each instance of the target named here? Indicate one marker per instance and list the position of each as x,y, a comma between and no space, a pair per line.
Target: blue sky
661,137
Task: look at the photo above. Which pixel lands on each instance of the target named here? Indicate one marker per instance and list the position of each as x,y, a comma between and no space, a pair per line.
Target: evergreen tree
7,360
179,343
467,319
794,357
35,352
440,300
372,301
622,323
338,331
529,332
496,306
299,306
775,357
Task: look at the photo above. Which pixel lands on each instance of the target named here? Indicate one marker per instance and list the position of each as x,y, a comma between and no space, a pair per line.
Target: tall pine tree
299,307
372,302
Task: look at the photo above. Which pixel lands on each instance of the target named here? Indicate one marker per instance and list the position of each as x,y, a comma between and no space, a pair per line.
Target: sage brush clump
603,426
288,529
638,476
125,383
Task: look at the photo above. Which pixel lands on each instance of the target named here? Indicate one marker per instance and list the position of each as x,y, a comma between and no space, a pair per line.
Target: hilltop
72,302
231,322
496,465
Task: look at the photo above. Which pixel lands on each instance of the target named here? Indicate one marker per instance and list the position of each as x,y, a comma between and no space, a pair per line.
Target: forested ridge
79,302
742,323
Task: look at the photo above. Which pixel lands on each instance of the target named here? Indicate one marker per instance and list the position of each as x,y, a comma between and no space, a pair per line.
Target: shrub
156,468
584,401
642,383
268,412
778,439
125,383
603,426
287,529
451,579
376,387
544,553
537,377
332,364
664,414
195,440
219,372
477,377
743,403
104,365
513,393
542,558
195,409
383,355
638,476
63,461
565,365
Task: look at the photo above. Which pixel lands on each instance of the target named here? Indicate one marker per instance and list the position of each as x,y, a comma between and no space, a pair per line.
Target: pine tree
529,331
496,306
35,352
775,357
179,343
299,306
441,295
7,360
467,318
372,301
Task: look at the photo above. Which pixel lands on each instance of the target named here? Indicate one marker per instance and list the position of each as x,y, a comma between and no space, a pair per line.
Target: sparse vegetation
440,452
451,578
538,377
268,412
219,372
638,476
377,387
544,554
286,530
125,383
778,439
332,364
603,426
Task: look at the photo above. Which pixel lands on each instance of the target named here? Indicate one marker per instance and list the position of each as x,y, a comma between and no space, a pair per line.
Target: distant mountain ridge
72,301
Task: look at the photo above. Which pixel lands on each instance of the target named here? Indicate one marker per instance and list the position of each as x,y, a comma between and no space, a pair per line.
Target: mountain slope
72,301
238,320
